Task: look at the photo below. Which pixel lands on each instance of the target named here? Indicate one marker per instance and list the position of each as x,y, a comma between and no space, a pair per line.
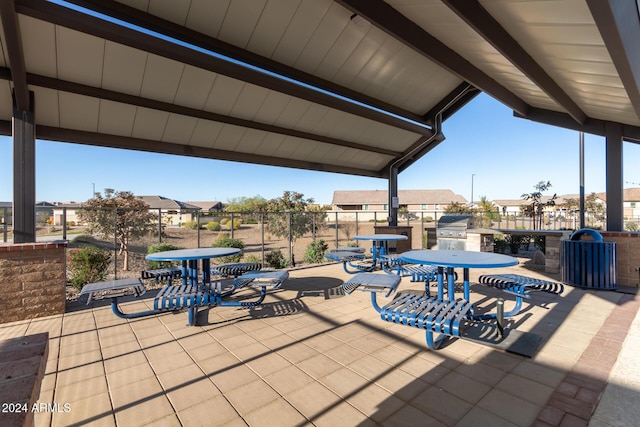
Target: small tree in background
535,208
292,216
456,208
119,214
487,211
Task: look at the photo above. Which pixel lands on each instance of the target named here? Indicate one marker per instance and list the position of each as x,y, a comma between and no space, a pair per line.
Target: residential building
378,200
173,212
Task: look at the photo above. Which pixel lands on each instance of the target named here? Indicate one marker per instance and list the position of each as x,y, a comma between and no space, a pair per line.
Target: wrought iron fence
265,232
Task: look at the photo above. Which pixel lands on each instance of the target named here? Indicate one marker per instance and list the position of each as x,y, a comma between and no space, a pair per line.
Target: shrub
315,252
237,223
225,241
252,258
191,225
161,247
84,238
500,245
275,259
213,226
88,265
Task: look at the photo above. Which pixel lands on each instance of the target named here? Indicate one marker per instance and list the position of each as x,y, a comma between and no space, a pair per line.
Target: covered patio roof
349,86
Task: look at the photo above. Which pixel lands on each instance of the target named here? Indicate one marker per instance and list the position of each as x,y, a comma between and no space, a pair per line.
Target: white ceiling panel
223,94
270,144
300,30
205,133
161,78
240,21
272,107
251,140
274,20
39,46
206,16
116,118
249,101
79,57
174,11
293,112
179,128
124,68
229,137
195,85
47,107
79,112
150,124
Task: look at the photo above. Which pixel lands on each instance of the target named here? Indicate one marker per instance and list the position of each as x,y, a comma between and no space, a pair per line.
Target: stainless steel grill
454,226
452,231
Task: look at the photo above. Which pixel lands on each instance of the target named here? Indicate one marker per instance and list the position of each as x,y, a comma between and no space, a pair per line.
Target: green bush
225,241
252,258
500,245
88,265
315,252
237,223
161,247
85,238
191,225
275,259
213,226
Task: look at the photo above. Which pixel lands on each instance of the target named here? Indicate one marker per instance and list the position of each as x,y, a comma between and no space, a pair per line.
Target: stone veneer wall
32,280
628,252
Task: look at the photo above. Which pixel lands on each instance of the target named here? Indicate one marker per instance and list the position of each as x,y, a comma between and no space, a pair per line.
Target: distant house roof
208,206
405,197
159,202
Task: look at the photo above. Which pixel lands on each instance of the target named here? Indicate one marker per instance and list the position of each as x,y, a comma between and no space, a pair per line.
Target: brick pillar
32,280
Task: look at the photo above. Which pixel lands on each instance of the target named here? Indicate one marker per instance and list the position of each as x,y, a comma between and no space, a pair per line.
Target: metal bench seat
371,282
235,269
257,279
111,289
446,318
357,261
162,274
519,286
355,249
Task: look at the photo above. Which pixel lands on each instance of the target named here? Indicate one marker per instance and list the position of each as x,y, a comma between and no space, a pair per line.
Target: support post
24,174
614,188
393,197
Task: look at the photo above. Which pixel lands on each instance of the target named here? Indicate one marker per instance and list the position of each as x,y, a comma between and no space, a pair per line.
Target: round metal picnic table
457,259
190,258
377,250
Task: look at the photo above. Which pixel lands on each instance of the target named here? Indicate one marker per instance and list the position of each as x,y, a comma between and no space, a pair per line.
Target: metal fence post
337,240
115,243
232,226
262,230
159,225
198,226
64,223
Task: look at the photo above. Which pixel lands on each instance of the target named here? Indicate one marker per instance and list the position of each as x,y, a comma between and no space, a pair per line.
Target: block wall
32,280
628,252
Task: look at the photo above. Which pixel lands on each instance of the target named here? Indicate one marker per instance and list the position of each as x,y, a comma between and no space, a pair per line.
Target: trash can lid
597,237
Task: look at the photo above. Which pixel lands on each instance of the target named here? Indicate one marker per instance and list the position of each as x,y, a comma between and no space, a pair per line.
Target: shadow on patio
312,356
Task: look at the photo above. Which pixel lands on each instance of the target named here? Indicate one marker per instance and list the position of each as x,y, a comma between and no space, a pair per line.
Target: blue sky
508,156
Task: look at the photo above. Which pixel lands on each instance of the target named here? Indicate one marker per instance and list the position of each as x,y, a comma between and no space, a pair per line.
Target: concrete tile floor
313,356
